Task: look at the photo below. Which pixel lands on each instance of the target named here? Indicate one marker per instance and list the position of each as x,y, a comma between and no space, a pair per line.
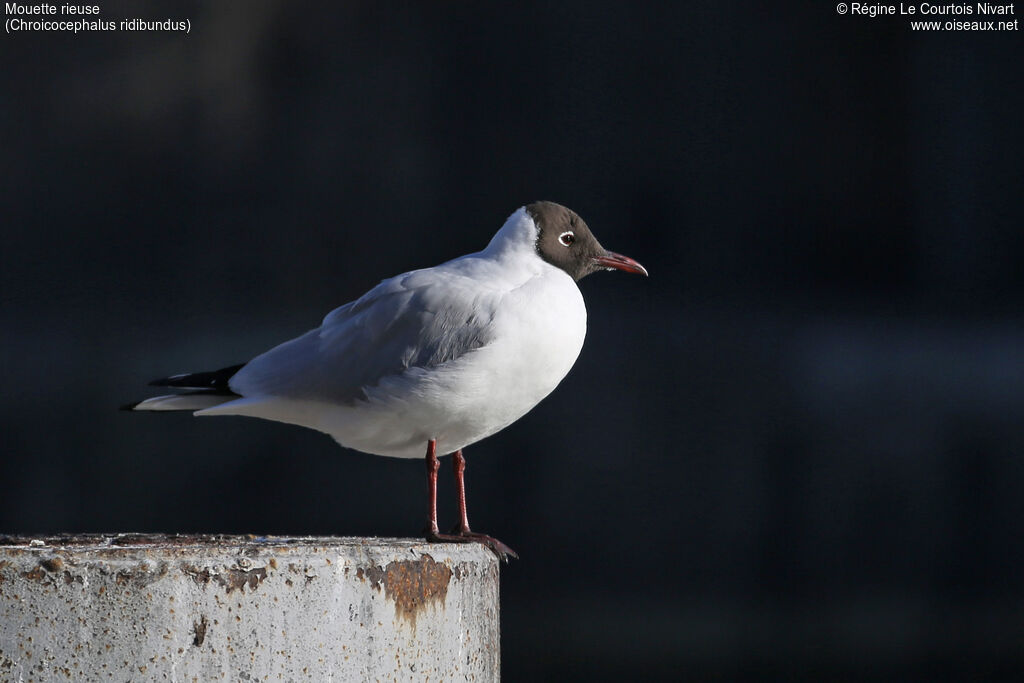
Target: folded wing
416,320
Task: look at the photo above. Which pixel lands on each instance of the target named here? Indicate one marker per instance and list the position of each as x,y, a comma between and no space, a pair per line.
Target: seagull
430,361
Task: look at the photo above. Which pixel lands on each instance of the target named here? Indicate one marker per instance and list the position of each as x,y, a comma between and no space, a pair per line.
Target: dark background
794,452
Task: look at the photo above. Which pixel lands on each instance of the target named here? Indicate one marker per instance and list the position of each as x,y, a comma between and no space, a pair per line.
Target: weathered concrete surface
210,608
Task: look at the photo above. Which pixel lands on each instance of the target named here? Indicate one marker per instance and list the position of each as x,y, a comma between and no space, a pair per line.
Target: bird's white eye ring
566,238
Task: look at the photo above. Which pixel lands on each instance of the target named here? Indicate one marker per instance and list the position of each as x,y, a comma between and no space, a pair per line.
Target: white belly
478,394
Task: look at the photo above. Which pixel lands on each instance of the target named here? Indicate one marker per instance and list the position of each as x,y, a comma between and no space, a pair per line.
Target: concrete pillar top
251,608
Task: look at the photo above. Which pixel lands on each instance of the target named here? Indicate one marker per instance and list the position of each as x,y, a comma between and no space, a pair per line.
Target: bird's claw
502,551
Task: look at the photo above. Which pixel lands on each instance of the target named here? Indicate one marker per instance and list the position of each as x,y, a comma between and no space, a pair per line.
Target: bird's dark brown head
565,241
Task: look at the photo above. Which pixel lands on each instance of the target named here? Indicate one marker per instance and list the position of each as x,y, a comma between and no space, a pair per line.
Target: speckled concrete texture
235,608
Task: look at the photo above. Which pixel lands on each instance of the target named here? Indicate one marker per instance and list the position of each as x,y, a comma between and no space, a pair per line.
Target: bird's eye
567,238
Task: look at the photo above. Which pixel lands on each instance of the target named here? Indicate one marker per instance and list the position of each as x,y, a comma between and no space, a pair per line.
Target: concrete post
210,608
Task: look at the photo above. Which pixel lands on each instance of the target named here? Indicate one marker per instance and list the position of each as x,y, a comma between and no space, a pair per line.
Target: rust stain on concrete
37,574
141,574
233,578
199,631
42,573
54,564
411,584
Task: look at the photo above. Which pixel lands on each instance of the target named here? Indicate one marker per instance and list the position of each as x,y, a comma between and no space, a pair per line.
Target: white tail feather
182,402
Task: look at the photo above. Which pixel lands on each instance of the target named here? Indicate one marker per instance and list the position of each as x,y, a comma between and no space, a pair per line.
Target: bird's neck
518,237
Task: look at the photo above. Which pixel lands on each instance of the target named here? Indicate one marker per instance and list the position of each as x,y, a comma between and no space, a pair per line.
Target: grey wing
419,319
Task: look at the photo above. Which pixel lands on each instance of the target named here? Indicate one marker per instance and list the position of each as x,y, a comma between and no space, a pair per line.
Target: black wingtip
218,379
129,406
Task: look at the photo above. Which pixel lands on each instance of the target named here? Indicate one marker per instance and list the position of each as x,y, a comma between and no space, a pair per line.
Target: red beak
619,262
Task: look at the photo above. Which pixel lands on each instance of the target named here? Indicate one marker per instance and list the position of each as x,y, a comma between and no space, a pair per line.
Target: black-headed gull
431,360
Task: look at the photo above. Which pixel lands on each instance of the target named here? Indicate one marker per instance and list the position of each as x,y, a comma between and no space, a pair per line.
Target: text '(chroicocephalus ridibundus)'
433,359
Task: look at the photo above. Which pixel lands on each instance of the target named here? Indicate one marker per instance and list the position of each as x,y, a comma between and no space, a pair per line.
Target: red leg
462,533
459,467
